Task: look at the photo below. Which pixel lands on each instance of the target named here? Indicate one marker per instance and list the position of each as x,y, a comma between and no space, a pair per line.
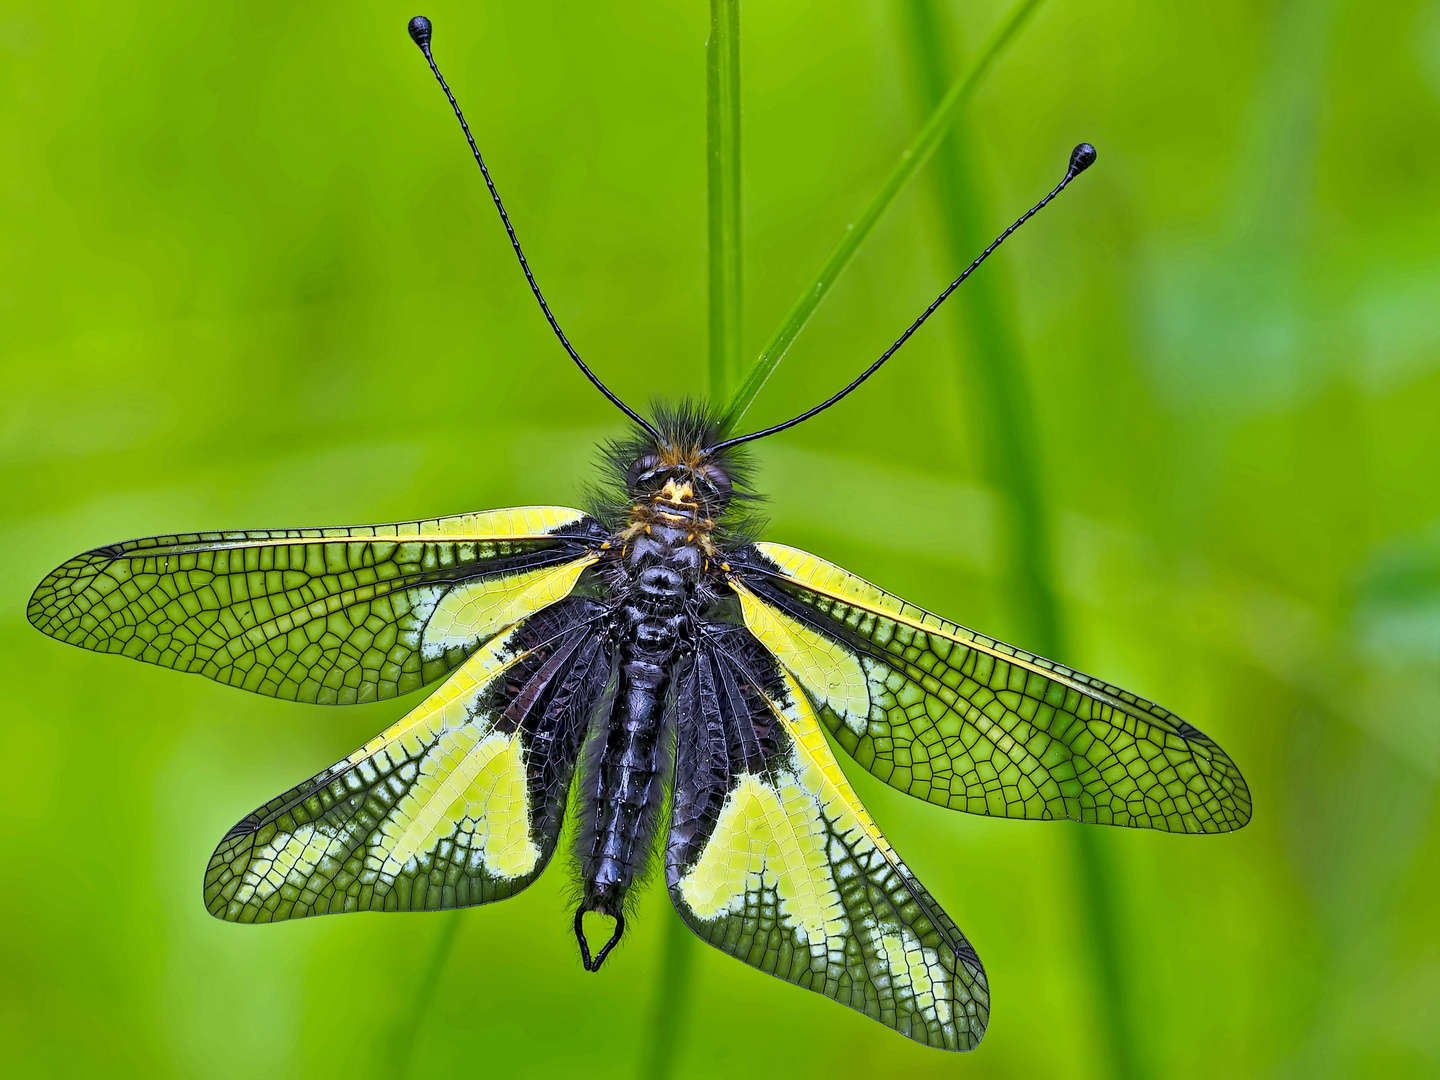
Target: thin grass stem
726,265
402,1042
911,159
668,1019
1004,417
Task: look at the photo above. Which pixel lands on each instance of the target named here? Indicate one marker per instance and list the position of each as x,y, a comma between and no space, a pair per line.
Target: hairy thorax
675,511
666,551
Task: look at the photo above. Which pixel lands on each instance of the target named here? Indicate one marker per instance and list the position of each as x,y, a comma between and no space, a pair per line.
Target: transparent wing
964,721
772,859
460,803
319,615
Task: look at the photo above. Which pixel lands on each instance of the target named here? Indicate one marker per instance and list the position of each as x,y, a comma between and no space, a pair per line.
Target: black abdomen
629,749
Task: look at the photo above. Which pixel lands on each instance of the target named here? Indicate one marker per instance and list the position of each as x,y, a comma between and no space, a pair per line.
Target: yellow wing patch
799,832
475,610
468,778
829,671
462,784
820,773
469,785
915,971
770,835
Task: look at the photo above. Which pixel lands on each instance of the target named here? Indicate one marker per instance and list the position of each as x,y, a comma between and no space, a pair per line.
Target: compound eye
715,479
643,471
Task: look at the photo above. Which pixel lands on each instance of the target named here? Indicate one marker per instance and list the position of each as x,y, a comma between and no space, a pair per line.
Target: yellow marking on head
827,669
467,784
679,493
768,836
474,610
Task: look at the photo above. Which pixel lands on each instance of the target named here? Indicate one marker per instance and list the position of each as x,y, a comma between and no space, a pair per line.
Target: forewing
319,615
460,803
775,861
964,721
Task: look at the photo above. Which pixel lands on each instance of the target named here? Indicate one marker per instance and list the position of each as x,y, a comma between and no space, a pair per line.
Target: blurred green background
249,278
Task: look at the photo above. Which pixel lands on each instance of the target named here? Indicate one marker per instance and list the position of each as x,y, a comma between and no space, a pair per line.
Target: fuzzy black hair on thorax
686,429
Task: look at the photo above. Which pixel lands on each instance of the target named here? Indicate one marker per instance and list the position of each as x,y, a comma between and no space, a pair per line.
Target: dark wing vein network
460,803
773,859
332,616
964,721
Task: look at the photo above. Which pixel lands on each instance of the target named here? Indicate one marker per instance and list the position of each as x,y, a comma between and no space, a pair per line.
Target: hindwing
965,721
332,616
460,803
773,859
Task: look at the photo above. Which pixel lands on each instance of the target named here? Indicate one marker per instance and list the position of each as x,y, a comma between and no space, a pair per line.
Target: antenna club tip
420,31
1081,158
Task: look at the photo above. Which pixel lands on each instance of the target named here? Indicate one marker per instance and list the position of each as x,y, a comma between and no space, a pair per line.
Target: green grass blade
911,159
672,1000
402,1039
722,115
1004,417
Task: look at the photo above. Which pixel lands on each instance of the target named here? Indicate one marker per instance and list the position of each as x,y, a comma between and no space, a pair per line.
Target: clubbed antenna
1081,158
420,31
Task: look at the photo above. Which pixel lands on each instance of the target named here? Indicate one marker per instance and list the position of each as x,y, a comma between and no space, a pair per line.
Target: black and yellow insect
646,662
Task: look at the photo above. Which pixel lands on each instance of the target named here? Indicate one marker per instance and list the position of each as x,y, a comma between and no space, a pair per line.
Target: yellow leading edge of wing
514,523
825,578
